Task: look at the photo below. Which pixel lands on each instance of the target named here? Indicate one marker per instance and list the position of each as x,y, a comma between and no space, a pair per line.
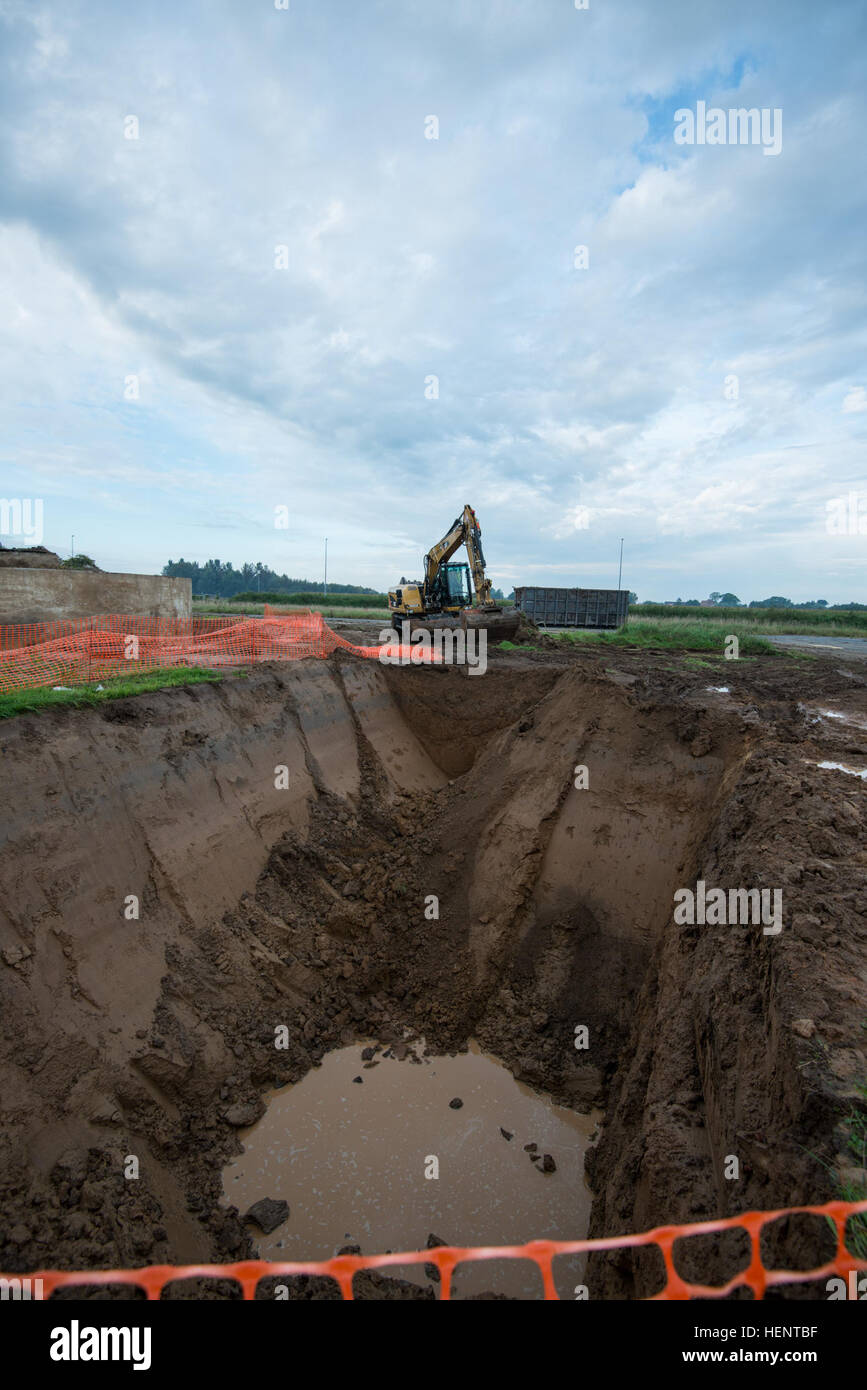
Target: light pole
620,571
325,582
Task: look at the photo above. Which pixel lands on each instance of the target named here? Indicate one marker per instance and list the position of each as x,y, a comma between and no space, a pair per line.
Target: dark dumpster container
574,607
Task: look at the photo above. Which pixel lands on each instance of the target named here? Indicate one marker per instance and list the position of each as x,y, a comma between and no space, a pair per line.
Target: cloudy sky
286,268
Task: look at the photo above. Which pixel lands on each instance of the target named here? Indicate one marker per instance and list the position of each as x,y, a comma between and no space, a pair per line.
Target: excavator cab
450,590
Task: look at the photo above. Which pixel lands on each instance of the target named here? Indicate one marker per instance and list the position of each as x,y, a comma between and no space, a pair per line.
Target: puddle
843,767
845,718
719,689
350,1161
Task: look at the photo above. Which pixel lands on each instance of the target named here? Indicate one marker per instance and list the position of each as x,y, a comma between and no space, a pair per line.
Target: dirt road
842,646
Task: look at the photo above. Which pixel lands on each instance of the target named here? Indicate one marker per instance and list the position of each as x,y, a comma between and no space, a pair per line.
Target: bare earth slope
283,833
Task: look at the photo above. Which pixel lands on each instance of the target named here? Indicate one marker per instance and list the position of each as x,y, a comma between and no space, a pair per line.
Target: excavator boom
465,530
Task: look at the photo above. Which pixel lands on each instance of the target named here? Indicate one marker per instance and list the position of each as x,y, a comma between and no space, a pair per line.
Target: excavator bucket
501,624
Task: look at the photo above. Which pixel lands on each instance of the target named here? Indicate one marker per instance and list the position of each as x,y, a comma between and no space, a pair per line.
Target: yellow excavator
454,594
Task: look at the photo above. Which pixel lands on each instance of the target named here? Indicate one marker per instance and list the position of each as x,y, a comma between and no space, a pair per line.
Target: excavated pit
333,851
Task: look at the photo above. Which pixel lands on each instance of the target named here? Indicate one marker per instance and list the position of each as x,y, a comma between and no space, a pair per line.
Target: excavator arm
465,530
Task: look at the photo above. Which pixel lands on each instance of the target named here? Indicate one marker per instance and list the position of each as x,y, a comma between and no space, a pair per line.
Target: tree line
222,580
775,601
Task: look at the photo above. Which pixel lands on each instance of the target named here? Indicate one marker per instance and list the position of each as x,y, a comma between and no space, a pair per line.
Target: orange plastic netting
342,1268
83,650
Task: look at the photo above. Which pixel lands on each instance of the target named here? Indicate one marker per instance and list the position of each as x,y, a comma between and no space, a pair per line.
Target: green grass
673,634
313,598
255,610
806,621
856,1121
42,697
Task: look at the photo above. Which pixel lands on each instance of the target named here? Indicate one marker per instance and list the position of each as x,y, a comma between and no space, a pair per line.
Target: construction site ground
298,901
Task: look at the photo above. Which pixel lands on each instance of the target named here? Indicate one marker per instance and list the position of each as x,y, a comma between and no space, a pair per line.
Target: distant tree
728,601
497,593
78,562
715,596
633,597
691,602
223,580
776,601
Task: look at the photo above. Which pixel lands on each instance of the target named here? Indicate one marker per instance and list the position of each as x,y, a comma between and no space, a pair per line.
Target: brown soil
305,907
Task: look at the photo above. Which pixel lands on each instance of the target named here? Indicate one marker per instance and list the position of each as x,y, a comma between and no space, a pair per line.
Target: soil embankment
285,835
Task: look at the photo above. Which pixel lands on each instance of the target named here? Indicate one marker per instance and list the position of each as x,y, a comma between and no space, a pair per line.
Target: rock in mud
268,1213
455,1104
244,1113
357,1080
505,1133
548,1164
14,955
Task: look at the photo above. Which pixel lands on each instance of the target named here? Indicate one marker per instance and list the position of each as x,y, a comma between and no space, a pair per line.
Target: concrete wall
41,595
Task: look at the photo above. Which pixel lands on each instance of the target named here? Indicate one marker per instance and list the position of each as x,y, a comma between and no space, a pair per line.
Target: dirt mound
283,835
526,630
29,557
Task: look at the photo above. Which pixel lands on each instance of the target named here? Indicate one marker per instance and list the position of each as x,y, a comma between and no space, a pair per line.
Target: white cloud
855,401
565,395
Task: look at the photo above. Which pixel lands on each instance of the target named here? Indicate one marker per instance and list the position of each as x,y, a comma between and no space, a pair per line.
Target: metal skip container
604,608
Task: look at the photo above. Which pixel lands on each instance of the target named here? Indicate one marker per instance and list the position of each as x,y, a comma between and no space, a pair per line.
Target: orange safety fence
342,1268
86,650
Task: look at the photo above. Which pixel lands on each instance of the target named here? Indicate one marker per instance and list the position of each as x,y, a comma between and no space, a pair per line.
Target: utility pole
620,571
325,583
72,549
